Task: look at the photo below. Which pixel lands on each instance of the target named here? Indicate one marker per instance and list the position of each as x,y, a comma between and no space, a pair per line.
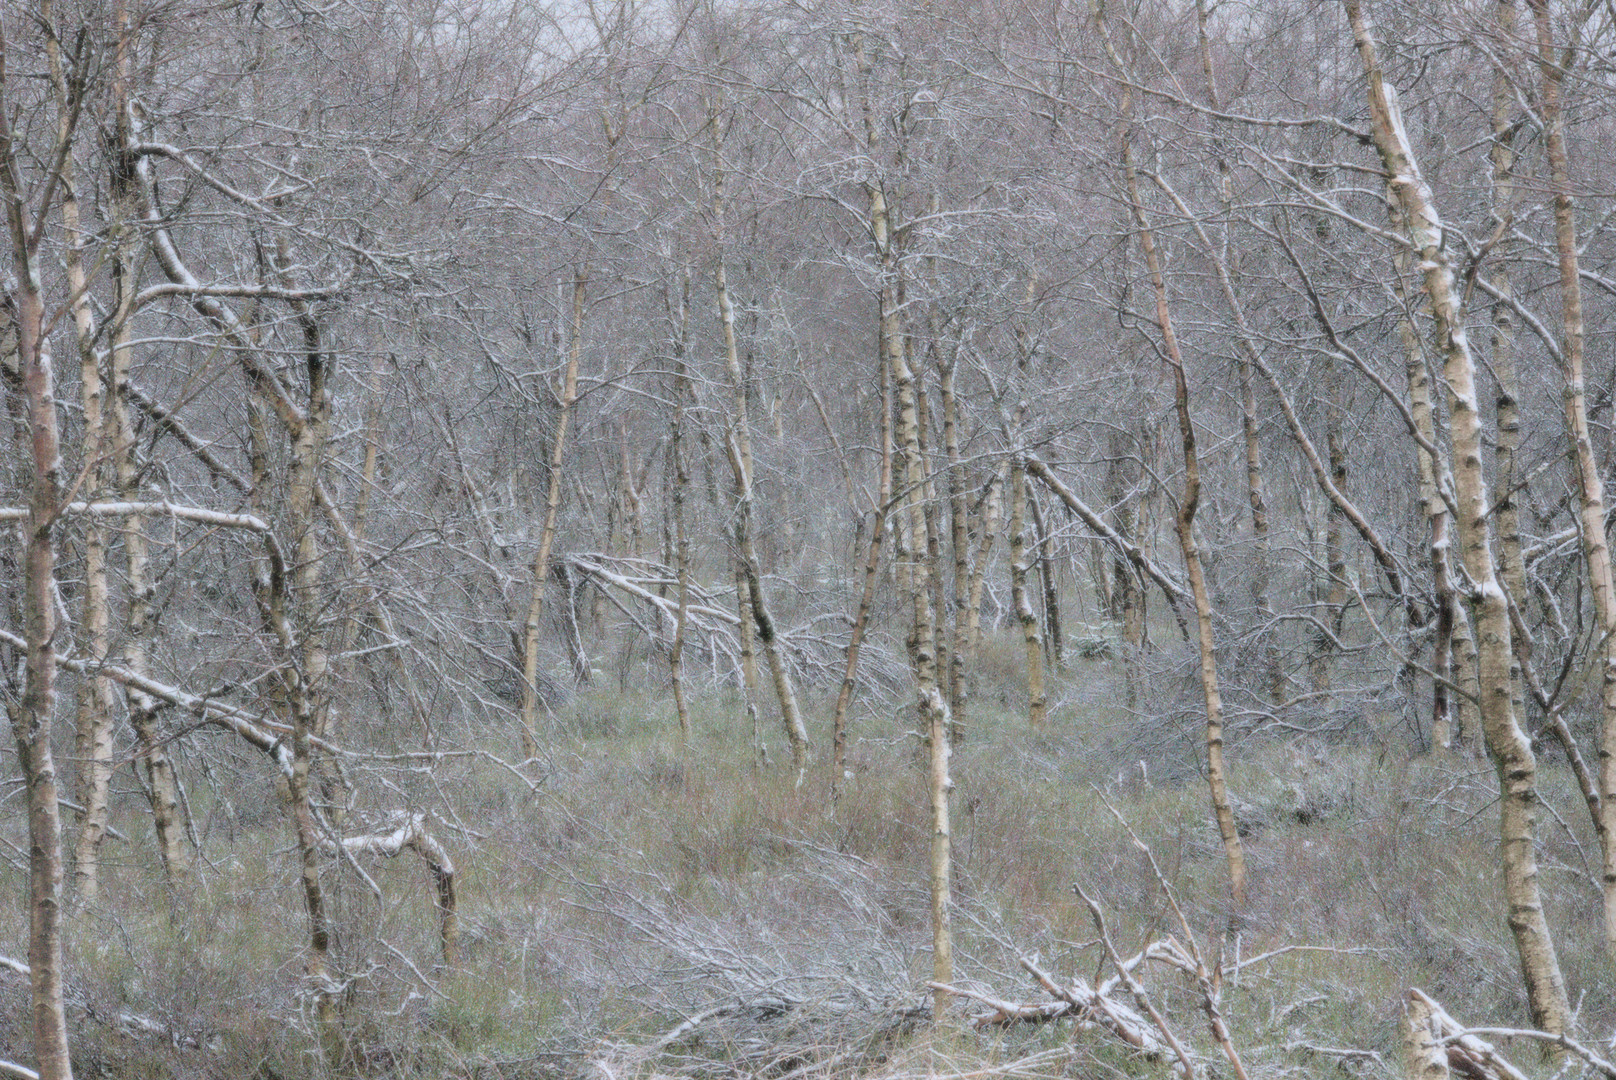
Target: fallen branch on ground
1089,1006
1436,1045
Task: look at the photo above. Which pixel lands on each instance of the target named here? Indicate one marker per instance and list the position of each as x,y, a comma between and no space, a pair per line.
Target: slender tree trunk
935,710
630,516
676,654
1326,477
738,444
1250,432
552,508
916,546
1037,700
374,434
932,705
738,447
992,500
1335,559
1054,647
1128,597
161,782
1467,715
309,602
932,508
352,532
1506,742
1585,476
962,649
305,659
749,672
353,529
1454,715
1435,511
92,743
679,314
582,671
1333,617
1506,513
1099,564
1189,501
872,568
1262,558
31,715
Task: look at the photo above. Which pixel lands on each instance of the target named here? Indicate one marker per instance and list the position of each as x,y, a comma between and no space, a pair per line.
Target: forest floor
651,910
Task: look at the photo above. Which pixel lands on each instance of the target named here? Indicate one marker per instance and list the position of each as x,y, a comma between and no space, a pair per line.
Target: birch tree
1507,744
1586,479
738,449
32,711
1189,499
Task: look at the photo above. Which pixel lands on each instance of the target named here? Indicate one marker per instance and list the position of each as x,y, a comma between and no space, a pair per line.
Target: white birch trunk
1506,742
1585,477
